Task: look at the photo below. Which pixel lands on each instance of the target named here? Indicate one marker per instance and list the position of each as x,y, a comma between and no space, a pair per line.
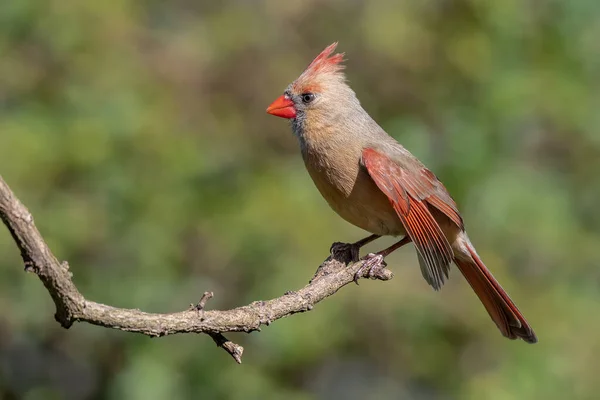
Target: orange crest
324,63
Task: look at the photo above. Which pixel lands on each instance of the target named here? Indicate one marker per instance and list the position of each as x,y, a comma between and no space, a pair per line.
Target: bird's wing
410,191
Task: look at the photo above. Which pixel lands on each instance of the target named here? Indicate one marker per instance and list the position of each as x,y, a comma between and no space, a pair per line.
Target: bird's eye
307,97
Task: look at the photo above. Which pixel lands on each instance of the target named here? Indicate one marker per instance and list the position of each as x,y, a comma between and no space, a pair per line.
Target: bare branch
336,272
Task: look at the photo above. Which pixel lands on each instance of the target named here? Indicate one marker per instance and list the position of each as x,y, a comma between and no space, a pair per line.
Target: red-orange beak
282,107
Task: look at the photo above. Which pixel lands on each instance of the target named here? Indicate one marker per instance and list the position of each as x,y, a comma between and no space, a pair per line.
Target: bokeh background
136,133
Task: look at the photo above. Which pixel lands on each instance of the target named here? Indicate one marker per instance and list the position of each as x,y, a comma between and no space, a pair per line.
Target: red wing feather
409,194
439,197
449,210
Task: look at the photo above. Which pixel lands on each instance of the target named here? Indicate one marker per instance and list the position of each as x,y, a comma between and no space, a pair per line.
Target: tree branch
71,306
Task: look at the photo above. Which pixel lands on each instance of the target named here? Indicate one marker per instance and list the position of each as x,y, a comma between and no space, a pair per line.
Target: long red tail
498,304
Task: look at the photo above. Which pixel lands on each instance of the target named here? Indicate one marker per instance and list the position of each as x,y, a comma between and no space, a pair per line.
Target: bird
370,180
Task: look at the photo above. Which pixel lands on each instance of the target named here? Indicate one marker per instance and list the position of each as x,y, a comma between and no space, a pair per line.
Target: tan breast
350,191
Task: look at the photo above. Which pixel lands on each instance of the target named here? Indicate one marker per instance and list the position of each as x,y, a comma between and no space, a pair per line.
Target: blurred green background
136,133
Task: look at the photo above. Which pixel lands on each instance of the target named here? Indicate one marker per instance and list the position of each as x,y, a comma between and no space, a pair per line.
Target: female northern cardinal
373,182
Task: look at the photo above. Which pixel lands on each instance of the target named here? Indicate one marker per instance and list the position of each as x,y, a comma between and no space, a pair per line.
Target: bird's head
317,91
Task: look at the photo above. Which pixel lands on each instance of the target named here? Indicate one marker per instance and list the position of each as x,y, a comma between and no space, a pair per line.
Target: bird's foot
350,252
374,262
354,252
345,252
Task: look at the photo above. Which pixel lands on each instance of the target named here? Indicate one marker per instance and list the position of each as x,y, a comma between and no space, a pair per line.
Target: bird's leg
356,246
349,252
374,261
395,246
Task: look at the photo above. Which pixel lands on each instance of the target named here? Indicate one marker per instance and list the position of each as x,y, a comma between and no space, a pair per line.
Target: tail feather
498,304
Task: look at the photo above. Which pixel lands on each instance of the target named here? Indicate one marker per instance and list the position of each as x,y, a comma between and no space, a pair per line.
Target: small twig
202,303
336,272
234,349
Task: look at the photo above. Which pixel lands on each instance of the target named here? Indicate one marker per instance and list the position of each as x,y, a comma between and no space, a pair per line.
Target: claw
373,262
